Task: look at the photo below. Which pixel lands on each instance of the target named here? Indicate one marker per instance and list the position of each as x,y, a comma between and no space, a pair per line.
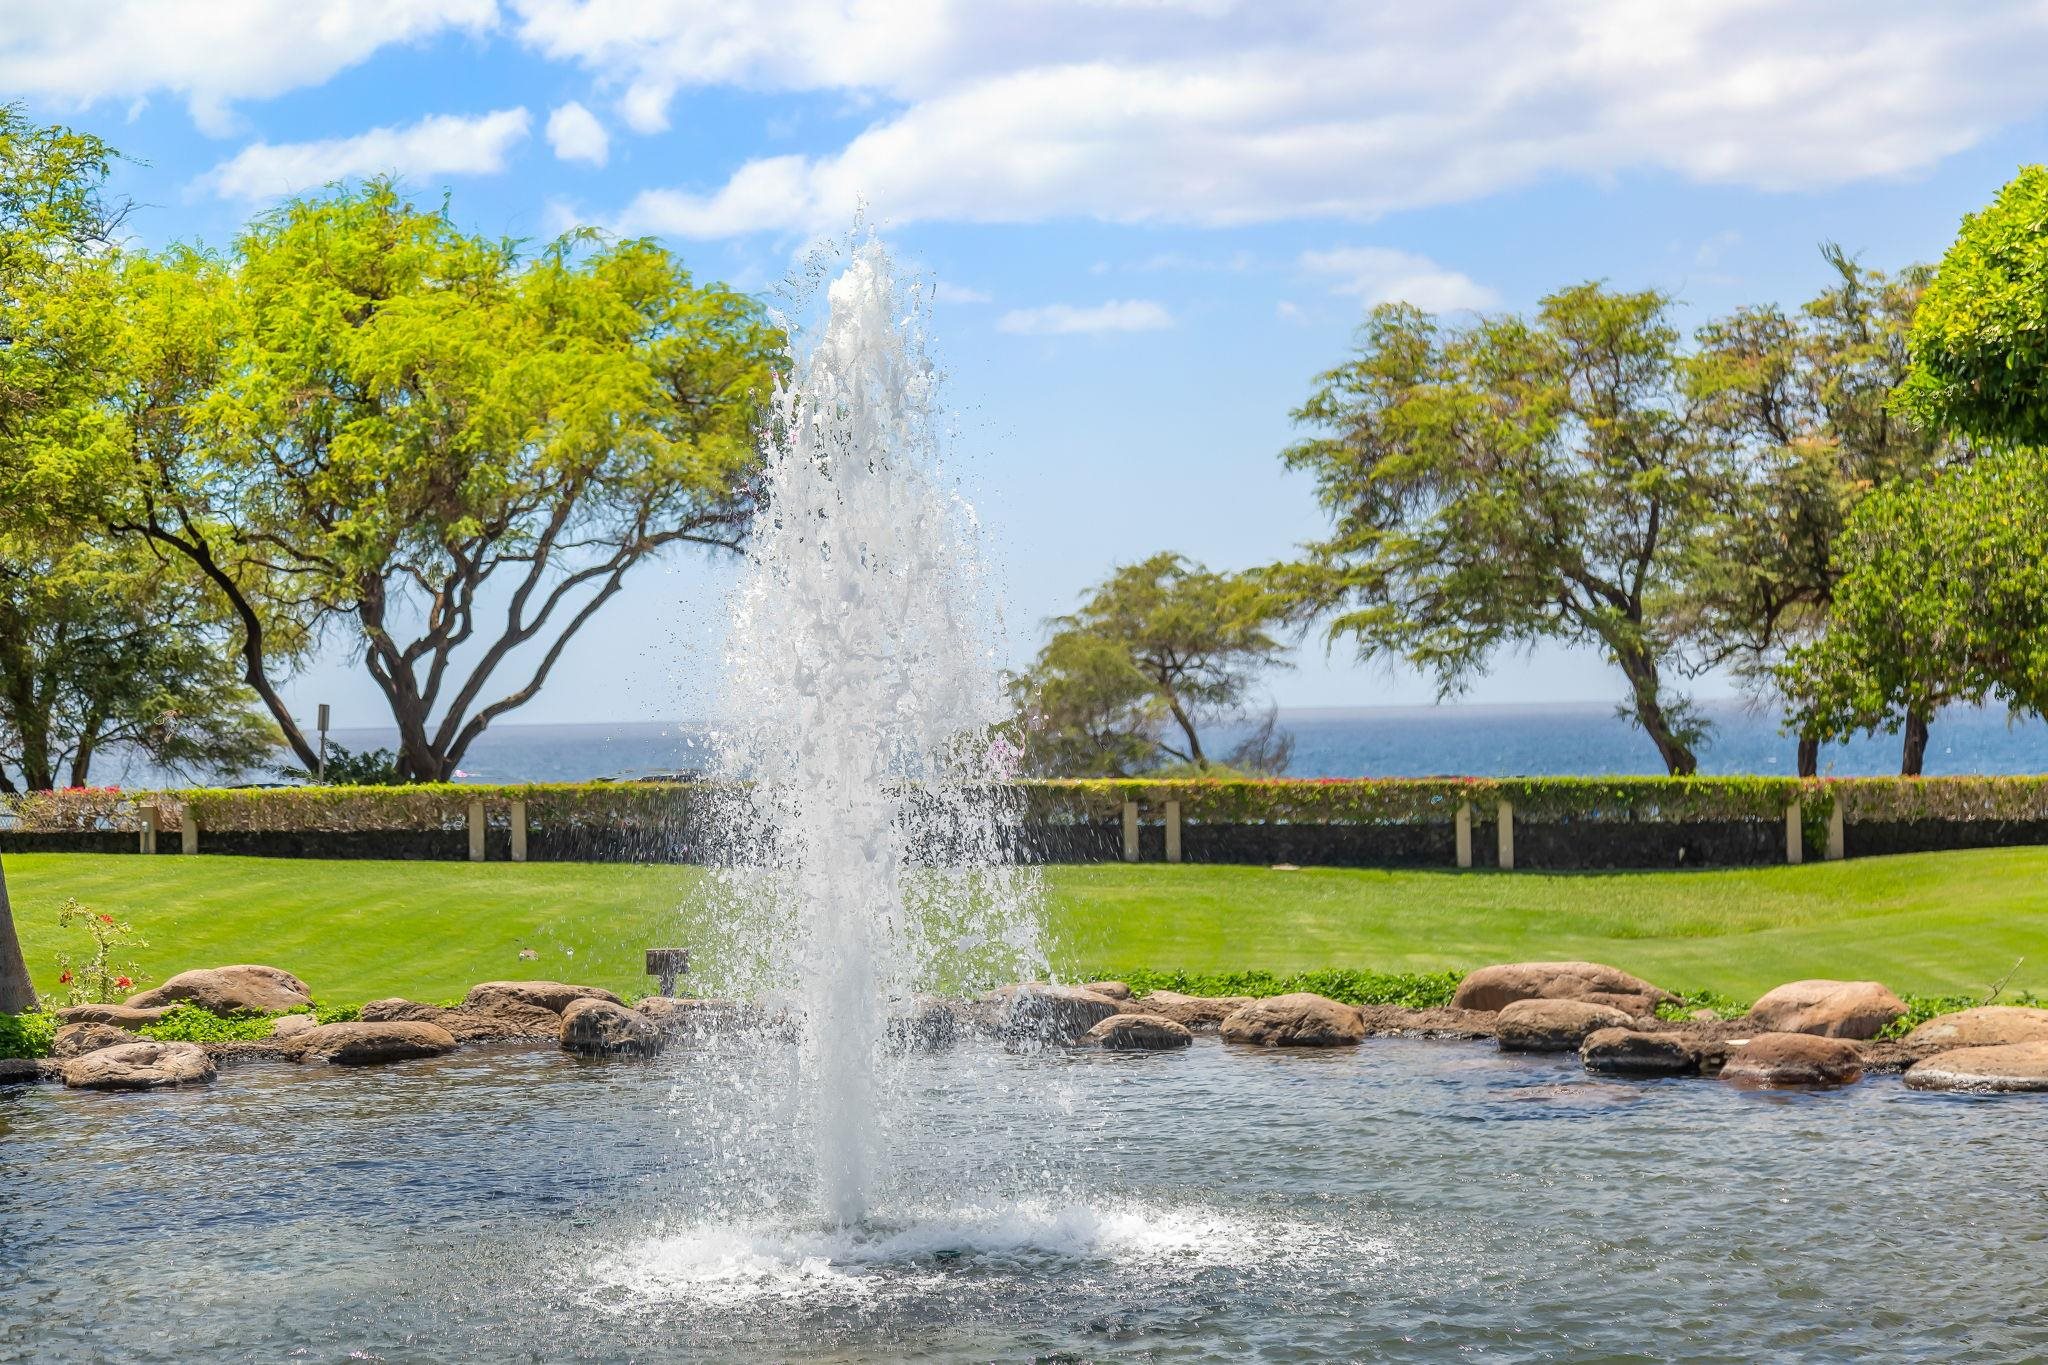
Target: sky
1146,225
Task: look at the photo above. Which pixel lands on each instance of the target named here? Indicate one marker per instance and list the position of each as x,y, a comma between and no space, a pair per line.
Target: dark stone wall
1870,838
1576,844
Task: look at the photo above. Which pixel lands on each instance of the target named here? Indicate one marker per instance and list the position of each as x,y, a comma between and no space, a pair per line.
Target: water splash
867,852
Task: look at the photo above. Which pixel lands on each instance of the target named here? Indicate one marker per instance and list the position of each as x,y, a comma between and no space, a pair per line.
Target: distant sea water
1401,741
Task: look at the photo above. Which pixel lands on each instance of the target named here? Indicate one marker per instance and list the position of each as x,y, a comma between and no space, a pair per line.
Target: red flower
106,919
65,979
123,982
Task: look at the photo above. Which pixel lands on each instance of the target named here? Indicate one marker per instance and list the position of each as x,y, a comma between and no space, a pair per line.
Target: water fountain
866,852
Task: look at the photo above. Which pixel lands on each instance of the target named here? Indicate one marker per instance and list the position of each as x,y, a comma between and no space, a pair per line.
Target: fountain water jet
867,854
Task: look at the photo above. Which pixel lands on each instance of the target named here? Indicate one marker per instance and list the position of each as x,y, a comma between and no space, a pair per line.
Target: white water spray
867,855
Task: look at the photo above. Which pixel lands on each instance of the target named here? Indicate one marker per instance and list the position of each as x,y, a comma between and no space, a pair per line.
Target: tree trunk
1643,678
17,993
1187,727
1809,756
1913,753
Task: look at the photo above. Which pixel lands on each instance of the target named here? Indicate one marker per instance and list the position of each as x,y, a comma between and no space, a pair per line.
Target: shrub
1413,990
190,1024
27,1035
100,980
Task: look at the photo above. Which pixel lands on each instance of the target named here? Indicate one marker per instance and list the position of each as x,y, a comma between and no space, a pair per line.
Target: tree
52,214
1158,650
1943,597
108,647
1980,339
368,420
1511,480
1804,403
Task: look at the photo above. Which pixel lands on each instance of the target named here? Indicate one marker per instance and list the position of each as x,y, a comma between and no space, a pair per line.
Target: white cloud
576,135
210,52
1062,319
942,292
1382,275
445,144
1239,111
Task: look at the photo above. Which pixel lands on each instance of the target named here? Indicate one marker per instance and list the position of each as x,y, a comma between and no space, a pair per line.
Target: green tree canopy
1156,651
1980,339
1509,480
365,419
1803,403
1944,597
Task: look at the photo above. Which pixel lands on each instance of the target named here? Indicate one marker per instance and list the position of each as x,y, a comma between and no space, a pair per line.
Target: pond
1400,1199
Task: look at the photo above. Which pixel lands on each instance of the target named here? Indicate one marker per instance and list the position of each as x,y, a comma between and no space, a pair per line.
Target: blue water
1417,741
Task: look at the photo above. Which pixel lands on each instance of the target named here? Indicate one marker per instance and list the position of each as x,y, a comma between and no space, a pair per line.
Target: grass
1948,923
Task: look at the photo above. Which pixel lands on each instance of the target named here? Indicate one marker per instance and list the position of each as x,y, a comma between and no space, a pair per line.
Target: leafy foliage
1411,990
1980,341
99,980
1158,650
186,1023
27,1035
1943,597
344,767
1510,480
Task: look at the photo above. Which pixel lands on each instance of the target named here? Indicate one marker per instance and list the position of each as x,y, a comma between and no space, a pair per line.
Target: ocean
1405,741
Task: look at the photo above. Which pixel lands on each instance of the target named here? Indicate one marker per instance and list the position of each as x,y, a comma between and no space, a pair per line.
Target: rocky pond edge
1812,1033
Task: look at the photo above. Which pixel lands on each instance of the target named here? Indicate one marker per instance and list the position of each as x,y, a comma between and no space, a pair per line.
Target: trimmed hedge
1365,801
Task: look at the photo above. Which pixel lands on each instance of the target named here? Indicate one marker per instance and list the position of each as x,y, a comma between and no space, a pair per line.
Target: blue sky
1150,223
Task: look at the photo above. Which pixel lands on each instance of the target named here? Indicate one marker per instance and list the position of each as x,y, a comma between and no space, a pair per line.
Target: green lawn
1929,923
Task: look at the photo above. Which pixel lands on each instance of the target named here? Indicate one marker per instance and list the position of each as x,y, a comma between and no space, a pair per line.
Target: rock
1193,1011
370,1044
700,1017
1138,1032
607,1027
146,1065
1497,987
75,1040
292,1025
1827,1009
1055,1015
1629,1052
1553,1025
397,1009
25,1071
120,1016
229,990
1299,1020
1115,990
2006,1068
1396,1021
1794,1059
548,995
933,1025
1985,1026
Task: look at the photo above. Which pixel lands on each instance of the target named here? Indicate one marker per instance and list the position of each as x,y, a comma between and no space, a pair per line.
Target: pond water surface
1402,1200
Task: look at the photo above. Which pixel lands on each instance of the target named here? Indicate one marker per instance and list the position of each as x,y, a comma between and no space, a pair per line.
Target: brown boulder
1303,1019
1193,1011
75,1040
26,1071
606,1027
1985,1026
1630,1052
370,1044
699,1017
2009,1068
1794,1059
397,1009
292,1025
1138,1032
554,996
120,1016
1050,1014
1497,987
1115,990
1827,1009
1553,1025
145,1065
229,990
